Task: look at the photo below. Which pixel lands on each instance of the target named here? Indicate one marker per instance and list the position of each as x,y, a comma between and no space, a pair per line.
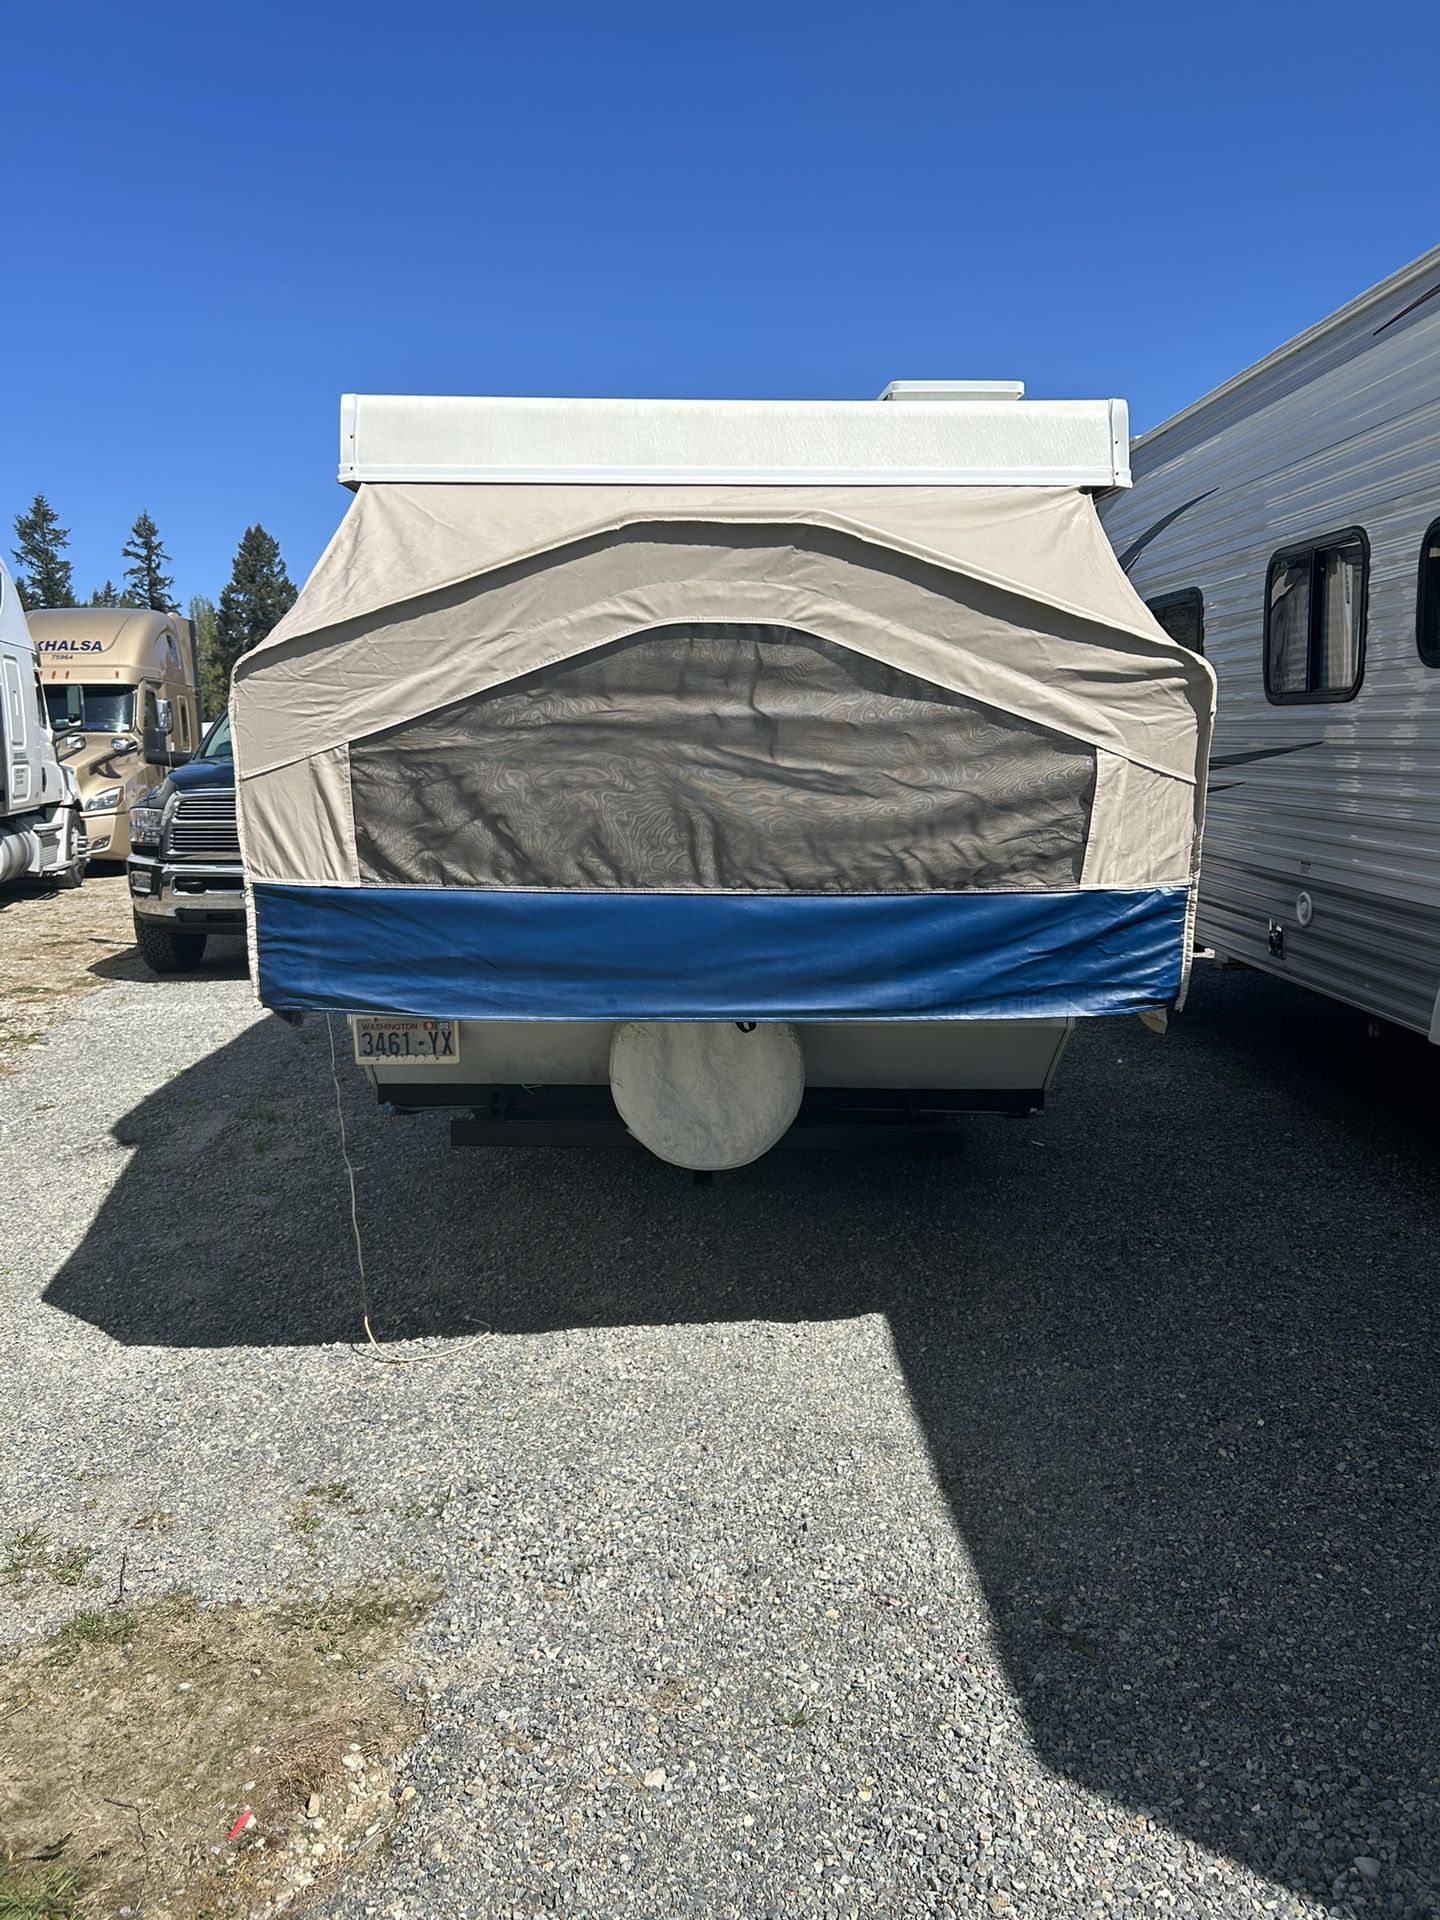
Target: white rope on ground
377,1345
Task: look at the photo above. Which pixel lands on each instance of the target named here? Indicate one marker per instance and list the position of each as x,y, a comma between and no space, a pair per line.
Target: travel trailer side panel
1322,841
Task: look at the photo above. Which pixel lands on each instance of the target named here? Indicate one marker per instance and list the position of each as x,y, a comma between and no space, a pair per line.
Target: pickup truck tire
166,952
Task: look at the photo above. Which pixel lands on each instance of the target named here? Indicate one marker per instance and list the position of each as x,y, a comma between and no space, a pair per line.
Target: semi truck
42,826
112,675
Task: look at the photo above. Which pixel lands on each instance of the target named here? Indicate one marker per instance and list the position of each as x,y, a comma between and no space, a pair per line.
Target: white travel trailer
1289,523
736,771
42,827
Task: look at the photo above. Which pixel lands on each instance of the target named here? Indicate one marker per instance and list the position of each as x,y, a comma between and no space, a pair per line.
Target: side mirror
165,717
157,750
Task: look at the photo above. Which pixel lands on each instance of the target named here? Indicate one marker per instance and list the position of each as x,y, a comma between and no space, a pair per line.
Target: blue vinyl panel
462,954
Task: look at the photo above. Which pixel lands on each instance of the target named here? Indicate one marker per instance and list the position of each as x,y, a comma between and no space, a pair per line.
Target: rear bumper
830,1117
872,1084
187,894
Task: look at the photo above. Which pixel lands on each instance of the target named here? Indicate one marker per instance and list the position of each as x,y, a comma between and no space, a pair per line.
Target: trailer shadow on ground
1173,1346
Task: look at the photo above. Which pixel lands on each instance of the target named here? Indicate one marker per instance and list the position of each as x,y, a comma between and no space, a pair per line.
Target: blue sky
220,217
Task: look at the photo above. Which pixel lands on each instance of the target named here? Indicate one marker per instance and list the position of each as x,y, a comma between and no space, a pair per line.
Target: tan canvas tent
575,750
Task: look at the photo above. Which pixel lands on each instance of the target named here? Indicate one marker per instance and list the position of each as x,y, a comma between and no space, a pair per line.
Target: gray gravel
1050,1531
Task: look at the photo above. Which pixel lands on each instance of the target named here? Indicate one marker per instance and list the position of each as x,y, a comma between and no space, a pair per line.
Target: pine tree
45,577
148,586
105,596
258,593
202,619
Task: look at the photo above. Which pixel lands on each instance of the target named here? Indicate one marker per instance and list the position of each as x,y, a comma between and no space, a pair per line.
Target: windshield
90,709
217,746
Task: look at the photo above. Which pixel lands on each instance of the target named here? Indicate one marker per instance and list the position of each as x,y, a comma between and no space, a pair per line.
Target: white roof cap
995,438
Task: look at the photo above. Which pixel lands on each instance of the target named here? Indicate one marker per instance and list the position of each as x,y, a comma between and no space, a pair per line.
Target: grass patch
135,1738
102,1627
306,1521
39,1894
307,1515
29,1556
332,1493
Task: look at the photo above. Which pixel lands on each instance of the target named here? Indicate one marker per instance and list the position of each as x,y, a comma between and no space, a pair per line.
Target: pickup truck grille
202,827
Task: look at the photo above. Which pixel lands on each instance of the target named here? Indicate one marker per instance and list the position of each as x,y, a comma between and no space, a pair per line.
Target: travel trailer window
90,709
1182,615
1427,606
1315,619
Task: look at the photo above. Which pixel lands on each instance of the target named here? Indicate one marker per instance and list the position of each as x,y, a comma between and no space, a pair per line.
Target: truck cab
42,828
184,867
112,675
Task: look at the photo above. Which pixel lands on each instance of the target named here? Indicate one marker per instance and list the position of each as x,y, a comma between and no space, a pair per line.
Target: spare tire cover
706,1094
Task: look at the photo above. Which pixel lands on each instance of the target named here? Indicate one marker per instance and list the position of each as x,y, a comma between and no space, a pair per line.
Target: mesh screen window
733,758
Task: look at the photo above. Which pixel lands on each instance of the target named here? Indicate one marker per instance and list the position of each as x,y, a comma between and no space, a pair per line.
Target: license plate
413,1043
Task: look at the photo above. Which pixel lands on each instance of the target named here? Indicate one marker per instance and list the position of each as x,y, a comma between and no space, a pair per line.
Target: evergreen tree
105,596
202,619
148,585
258,593
44,579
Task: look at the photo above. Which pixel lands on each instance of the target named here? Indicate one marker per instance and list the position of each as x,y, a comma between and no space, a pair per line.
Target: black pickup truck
184,865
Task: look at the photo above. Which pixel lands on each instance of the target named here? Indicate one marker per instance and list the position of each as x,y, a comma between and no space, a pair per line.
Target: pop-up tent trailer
764,767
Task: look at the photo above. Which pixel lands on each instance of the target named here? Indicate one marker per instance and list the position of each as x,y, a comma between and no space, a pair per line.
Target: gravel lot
1050,1531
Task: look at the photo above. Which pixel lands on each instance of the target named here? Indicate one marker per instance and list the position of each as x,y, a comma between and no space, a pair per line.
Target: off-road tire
164,951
